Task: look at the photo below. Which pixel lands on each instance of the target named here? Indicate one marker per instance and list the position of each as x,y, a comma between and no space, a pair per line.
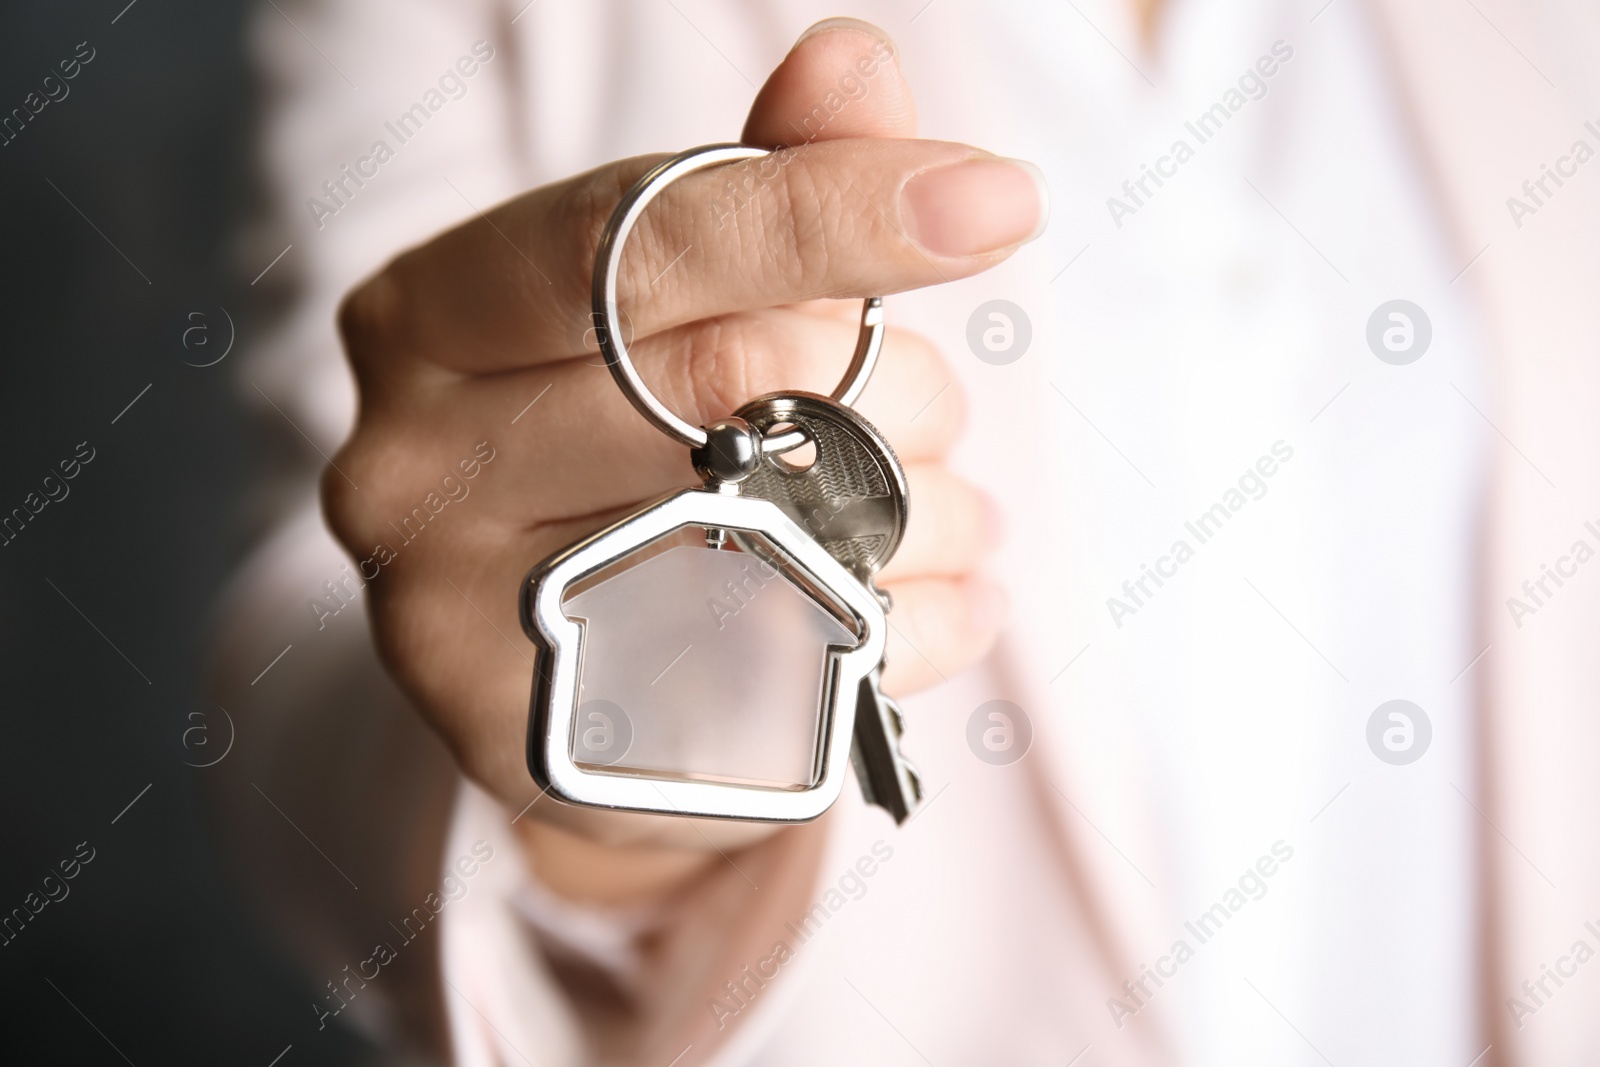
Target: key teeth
897,787
914,776
896,717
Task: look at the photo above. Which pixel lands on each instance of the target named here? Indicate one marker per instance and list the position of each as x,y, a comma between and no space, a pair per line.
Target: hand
452,339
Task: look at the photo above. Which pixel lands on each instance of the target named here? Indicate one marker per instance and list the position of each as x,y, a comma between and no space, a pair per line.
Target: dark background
153,947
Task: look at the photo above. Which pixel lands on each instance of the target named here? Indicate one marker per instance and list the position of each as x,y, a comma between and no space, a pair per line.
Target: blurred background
125,201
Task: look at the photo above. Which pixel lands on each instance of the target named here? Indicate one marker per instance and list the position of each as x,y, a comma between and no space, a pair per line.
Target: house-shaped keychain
695,680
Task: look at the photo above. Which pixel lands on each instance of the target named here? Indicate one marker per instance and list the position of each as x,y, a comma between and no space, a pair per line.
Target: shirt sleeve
383,124
701,977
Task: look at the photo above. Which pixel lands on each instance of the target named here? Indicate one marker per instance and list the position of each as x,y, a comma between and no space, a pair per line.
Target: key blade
888,780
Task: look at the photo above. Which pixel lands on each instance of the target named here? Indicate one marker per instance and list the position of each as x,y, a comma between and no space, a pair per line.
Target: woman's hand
724,283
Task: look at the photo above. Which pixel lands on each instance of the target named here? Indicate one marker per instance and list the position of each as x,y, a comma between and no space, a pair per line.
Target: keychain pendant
682,679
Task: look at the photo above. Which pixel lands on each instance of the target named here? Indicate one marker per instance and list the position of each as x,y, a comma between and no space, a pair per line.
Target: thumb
841,79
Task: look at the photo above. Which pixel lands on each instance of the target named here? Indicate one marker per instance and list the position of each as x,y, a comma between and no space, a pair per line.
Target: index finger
844,218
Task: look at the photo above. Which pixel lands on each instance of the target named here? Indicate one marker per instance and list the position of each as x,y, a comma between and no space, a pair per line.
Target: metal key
852,497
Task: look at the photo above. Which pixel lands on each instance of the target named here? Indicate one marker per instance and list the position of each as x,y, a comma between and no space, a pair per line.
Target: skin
452,339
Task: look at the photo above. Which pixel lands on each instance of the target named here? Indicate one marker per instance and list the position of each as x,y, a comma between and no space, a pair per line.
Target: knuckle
947,410
948,531
922,350
714,376
340,507
371,316
807,224
718,364
783,226
943,616
953,420
658,240
586,206
963,511
933,620
371,461
916,397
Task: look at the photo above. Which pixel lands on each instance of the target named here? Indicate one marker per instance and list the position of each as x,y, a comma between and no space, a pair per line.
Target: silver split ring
608,260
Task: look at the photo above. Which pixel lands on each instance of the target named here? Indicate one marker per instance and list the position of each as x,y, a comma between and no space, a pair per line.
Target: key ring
608,260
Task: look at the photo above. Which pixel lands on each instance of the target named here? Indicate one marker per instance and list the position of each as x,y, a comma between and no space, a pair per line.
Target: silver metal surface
732,452
887,778
853,496
853,499
559,640
607,264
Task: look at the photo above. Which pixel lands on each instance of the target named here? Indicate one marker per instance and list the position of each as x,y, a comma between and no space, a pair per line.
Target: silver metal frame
608,262
560,644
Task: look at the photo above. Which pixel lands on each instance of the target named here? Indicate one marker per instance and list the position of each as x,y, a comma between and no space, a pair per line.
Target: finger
950,530
712,367
553,428
840,79
833,219
708,370
939,627
839,310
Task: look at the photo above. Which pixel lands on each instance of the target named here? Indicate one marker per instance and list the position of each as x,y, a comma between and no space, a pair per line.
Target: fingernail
844,23
976,206
988,605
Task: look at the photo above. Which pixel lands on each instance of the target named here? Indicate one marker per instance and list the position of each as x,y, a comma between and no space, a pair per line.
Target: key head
851,496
